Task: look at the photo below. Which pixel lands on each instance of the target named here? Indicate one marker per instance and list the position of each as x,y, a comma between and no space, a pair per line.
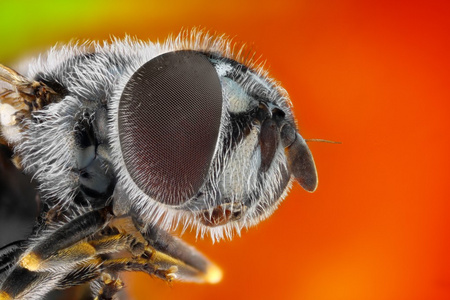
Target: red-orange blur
371,74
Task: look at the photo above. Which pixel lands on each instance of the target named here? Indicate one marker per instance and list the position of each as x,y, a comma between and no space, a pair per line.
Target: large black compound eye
169,119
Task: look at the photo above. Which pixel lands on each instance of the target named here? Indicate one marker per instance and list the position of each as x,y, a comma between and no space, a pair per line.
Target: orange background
372,74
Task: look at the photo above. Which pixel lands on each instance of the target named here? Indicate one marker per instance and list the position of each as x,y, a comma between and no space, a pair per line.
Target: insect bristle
202,40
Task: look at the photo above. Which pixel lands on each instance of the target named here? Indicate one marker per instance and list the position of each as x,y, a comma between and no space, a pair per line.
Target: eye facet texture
169,118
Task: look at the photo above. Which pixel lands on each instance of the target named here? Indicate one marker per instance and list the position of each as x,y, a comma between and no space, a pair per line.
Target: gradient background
372,74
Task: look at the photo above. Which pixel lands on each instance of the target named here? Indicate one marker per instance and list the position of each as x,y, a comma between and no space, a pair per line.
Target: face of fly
231,135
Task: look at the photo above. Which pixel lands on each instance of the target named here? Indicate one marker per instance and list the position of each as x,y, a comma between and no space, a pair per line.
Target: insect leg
95,244
35,273
166,251
41,256
115,237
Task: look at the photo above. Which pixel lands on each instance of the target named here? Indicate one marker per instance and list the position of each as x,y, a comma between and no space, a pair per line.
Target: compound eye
169,119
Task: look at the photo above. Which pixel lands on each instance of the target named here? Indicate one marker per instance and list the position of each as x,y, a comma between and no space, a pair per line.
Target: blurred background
371,74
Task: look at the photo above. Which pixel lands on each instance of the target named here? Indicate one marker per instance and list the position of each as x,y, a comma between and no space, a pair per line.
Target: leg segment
64,237
97,246
40,269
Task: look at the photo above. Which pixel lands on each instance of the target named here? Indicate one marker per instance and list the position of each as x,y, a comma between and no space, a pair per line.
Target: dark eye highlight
169,118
